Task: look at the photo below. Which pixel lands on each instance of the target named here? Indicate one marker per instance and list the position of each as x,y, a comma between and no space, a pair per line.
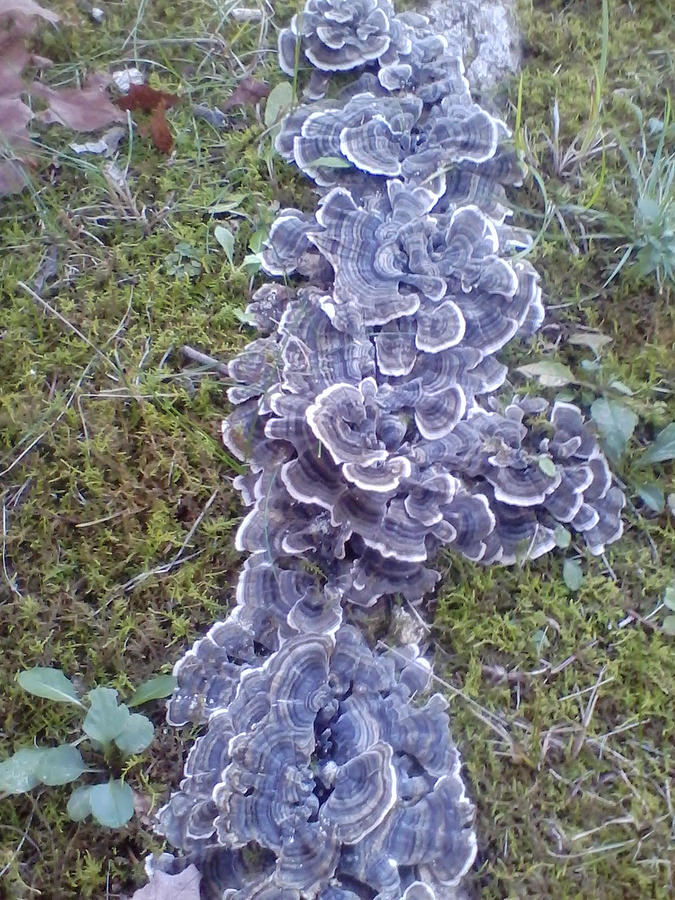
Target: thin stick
204,360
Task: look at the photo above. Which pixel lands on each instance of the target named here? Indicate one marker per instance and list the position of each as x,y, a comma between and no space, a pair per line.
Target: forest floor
118,512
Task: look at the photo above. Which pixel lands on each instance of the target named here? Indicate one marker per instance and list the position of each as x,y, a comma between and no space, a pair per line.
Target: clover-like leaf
136,735
549,373
79,803
573,574
279,101
662,449
652,496
49,683
616,423
669,596
153,689
331,162
562,537
60,765
547,466
112,804
226,240
591,339
18,774
106,718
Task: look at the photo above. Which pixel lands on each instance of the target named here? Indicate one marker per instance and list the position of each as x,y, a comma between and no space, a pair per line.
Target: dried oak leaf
171,887
248,92
159,130
145,98
14,119
26,8
82,109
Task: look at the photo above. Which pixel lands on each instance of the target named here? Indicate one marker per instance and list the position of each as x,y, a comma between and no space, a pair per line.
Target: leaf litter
143,98
86,108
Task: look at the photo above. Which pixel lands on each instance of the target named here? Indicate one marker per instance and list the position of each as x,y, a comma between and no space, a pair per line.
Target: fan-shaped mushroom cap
287,242
343,418
363,792
336,36
439,327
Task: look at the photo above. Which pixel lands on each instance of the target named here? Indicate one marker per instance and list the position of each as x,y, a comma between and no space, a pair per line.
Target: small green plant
184,261
650,237
109,727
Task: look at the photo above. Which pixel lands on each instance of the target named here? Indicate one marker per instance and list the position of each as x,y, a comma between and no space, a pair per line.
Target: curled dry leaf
248,93
145,98
124,78
14,118
159,130
161,886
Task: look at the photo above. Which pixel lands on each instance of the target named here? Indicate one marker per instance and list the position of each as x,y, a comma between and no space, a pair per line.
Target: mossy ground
110,455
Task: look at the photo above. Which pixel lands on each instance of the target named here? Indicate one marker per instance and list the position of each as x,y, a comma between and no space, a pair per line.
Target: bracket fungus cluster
367,415
321,763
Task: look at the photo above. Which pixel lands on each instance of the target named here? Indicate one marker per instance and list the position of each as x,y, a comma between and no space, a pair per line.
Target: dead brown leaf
13,177
145,98
26,8
248,93
14,119
82,109
171,887
159,130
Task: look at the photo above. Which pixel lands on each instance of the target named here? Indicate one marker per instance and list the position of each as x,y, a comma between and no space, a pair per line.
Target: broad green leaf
616,424
331,162
105,718
49,683
59,765
663,447
112,804
573,574
279,101
226,240
547,466
652,496
562,537
592,339
668,626
136,735
79,804
18,774
549,373
153,689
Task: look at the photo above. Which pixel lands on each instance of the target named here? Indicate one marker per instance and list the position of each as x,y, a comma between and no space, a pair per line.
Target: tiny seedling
109,727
